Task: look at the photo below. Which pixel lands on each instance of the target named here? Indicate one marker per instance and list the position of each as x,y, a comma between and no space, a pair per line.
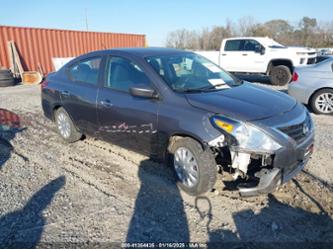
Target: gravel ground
92,191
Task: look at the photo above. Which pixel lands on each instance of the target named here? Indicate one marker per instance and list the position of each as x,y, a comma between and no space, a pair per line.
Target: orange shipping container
37,46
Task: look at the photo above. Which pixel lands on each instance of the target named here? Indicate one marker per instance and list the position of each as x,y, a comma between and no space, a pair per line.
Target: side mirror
143,92
260,50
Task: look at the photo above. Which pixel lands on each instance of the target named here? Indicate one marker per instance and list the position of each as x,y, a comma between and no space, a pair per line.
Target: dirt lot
97,192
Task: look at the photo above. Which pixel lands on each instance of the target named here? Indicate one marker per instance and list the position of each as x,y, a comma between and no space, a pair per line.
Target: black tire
206,165
314,99
280,75
5,71
7,82
74,134
5,75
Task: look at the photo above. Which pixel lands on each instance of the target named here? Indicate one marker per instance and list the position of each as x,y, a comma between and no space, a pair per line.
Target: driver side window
122,74
251,45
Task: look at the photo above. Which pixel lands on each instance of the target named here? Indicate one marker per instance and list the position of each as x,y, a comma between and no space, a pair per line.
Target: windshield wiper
189,90
201,89
213,87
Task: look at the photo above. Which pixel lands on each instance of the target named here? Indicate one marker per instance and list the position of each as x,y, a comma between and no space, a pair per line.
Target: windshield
189,72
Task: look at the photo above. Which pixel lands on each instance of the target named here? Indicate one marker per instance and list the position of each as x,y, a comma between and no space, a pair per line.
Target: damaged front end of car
249,153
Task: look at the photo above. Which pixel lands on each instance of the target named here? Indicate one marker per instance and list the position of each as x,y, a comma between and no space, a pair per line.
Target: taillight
295,76
44,84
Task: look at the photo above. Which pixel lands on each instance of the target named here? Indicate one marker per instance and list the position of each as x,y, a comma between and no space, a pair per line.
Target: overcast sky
155,18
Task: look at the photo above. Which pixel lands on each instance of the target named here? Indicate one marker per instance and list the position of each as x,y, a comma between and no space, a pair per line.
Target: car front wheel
66,126
280,75
195,168
322,102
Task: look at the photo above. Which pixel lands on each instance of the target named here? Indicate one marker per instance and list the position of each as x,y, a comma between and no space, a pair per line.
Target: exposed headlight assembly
248,137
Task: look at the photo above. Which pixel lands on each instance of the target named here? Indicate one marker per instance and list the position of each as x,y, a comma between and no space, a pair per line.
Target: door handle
223,54
244,54
66,93
106,103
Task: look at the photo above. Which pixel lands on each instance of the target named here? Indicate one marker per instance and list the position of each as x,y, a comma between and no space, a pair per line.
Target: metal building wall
38,46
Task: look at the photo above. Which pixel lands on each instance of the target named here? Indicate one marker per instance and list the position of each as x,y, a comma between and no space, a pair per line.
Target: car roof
259,38
136,52
141,52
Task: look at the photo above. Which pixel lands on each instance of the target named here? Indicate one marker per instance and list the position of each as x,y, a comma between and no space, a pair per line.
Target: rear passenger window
86,71
122,74
233,45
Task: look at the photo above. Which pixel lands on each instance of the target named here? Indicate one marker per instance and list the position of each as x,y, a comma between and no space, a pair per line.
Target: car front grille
311,61
298,132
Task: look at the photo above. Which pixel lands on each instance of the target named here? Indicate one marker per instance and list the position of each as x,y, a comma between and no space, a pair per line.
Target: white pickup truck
261,55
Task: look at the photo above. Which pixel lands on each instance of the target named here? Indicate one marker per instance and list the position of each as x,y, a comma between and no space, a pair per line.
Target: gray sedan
313,85
178,107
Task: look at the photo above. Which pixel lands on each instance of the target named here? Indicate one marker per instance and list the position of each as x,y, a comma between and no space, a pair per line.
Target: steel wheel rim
186,167
281,75
64,126
324,102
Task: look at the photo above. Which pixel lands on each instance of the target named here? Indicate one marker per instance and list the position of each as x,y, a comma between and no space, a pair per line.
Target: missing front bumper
270,180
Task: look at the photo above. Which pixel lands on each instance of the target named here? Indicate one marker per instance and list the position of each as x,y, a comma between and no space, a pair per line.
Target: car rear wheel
322,102
195,168
280,75
66,126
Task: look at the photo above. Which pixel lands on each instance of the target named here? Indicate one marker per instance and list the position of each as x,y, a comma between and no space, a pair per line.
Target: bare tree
326,29
176,39
308,32
246,26
204,39
183,39
279,29
216,35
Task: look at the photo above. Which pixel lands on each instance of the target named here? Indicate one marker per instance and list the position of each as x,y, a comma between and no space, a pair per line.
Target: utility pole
86,15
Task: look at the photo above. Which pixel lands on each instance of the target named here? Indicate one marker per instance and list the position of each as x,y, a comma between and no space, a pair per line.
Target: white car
261,55
313,85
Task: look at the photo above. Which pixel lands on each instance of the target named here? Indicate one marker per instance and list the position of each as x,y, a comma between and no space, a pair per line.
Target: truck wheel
66,126
195,168
322,102
280,75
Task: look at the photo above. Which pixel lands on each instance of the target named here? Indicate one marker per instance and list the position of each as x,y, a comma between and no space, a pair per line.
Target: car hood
302,49
244,102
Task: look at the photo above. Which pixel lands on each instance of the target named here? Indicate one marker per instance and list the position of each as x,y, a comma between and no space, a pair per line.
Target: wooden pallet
14,60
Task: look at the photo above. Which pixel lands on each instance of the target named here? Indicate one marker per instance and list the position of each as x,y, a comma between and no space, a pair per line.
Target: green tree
307,27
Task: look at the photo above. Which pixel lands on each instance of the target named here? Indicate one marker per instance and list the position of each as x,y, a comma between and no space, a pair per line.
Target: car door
253,60
324,72
79,93
126,120
232,56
